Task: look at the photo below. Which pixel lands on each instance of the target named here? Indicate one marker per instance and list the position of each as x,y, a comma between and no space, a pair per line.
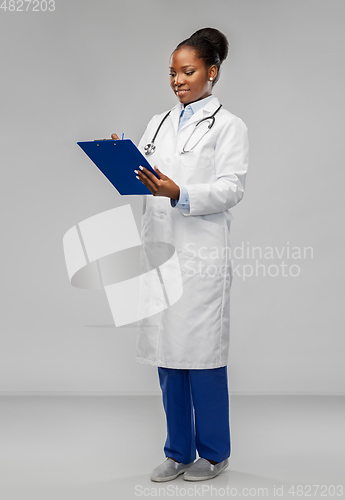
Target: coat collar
209,108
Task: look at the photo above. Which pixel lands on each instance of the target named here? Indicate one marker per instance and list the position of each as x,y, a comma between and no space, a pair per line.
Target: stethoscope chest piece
149,148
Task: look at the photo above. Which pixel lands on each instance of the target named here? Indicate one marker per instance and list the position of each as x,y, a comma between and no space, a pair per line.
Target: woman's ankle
212,461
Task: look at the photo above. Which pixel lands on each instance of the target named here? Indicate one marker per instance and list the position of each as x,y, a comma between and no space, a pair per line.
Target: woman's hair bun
217,39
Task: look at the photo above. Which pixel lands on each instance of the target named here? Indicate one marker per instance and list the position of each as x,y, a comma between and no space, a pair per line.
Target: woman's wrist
177,195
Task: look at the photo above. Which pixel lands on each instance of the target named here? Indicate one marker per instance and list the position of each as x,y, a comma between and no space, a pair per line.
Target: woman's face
189,78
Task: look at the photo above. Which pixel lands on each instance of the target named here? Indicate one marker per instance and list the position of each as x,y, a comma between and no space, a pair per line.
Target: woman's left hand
164,186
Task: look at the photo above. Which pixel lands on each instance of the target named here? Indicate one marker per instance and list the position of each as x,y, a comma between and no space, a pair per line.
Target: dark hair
211,45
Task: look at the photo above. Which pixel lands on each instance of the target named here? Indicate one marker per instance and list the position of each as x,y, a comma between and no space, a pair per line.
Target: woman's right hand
115,137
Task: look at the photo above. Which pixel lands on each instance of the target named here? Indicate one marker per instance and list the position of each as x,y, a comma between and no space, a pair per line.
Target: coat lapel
175,115
208,109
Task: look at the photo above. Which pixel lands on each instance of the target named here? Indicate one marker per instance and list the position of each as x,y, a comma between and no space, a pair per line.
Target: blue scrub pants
196,404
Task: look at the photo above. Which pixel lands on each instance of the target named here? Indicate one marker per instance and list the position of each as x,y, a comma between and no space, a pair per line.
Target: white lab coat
194,332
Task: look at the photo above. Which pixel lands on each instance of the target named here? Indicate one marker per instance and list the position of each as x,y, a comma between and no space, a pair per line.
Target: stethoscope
150,147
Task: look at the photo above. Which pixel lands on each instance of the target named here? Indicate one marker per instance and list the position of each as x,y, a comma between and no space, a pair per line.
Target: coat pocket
204,250
193,160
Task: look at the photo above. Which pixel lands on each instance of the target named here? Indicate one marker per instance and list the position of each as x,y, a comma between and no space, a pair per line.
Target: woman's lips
181,92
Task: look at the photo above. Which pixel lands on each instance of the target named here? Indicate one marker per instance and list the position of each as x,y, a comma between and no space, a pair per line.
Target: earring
211,78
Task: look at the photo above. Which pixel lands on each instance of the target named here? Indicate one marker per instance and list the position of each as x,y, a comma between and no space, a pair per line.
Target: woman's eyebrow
183,67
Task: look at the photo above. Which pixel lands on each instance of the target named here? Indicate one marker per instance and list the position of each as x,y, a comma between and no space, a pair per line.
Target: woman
201,176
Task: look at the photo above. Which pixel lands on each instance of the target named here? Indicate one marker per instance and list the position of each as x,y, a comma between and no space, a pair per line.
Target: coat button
161,216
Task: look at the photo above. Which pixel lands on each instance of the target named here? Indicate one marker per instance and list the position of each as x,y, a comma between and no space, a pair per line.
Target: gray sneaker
203,469
168,470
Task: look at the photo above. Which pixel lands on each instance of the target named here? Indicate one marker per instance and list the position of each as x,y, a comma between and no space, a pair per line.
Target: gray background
93,68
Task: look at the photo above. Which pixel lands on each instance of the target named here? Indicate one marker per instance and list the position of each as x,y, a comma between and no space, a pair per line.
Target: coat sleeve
183,202
231,164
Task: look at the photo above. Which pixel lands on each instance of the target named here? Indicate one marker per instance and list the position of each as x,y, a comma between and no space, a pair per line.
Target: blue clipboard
117,160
